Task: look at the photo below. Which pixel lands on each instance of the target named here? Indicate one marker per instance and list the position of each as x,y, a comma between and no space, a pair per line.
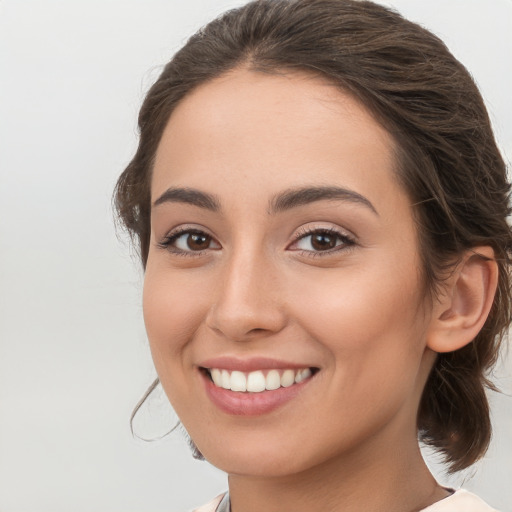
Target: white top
459,501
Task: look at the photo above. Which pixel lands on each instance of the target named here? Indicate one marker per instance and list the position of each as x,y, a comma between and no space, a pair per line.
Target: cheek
369,319
373,341
172,312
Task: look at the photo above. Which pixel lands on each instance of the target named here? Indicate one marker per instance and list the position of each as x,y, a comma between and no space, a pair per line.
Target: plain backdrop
74,358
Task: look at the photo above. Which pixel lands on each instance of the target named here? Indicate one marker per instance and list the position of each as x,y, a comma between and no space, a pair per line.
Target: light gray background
73,354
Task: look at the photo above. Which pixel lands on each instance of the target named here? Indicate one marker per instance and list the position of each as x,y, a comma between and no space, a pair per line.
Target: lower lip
251,404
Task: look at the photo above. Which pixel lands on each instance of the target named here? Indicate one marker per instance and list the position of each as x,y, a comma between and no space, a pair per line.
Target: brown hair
447,159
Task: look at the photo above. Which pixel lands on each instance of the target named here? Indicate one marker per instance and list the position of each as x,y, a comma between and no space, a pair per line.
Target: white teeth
226,380
273,380
256,382
302,374
288,378
216,377
238,381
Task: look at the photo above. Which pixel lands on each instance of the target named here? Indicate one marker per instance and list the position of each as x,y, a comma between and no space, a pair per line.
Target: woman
321,213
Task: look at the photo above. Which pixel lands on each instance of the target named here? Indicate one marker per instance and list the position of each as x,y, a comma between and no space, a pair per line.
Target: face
282,297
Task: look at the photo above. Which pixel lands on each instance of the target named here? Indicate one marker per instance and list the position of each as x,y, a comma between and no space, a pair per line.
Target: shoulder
210,506
460,501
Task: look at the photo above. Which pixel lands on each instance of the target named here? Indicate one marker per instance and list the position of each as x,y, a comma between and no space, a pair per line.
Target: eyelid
348,239
175,233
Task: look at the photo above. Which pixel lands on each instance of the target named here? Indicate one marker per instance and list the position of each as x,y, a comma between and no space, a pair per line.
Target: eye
321,240
189,241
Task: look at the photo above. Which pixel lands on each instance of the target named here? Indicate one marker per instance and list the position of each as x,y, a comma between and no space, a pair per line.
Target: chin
252,458
257,466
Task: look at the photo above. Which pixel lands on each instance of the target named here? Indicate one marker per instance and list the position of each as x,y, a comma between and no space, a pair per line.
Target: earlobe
462,309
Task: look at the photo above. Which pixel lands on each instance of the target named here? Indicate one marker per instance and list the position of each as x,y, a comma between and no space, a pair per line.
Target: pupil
197,241
323,241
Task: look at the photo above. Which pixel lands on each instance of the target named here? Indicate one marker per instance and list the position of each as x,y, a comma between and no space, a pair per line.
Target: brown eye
189,242
323,241
198,241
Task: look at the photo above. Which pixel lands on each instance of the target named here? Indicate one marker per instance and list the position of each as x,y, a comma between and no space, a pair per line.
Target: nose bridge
247,301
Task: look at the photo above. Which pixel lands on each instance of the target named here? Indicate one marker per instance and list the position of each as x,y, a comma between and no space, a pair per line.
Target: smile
259,380
253,387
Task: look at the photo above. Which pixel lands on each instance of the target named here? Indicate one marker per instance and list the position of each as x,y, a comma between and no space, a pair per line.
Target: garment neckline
224,504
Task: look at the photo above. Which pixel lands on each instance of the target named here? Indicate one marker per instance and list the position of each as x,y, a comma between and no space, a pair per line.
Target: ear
462,309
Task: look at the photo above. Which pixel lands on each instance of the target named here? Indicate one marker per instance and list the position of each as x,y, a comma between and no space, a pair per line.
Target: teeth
288,378
226,380
216,377
273,380
302,374
256,382
238,381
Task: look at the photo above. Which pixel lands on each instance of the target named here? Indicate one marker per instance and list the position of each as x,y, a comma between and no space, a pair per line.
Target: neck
392,480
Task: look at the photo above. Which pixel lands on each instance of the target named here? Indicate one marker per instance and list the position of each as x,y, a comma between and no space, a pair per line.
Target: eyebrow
283,201
301,196
189,196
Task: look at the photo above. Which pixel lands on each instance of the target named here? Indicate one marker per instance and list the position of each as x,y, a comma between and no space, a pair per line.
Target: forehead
278,130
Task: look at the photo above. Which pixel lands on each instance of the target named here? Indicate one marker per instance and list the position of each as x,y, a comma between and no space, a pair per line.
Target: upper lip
251,364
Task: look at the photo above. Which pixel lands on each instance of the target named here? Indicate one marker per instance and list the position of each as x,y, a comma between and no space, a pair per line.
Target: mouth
254,386
258,381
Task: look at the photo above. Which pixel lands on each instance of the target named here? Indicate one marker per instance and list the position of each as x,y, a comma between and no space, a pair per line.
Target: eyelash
169,240
347,241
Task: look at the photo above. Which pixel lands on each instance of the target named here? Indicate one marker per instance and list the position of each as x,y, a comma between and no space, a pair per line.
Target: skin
357,312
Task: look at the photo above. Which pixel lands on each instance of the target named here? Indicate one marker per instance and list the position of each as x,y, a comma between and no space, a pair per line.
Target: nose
248,303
